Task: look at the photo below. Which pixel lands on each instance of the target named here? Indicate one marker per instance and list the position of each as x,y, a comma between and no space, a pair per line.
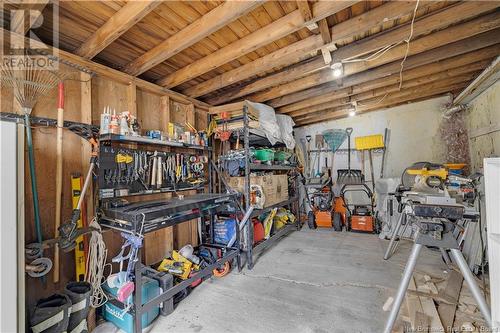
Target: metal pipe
454,109
247,186
471,282
403,286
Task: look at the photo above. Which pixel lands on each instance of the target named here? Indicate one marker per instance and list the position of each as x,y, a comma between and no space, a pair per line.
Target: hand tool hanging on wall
153,171
29,83
349,176
59,171
76,190
372,173
319,146
68,232
309,170
159,171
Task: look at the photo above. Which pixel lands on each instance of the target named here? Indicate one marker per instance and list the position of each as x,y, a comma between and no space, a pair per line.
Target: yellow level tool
76,189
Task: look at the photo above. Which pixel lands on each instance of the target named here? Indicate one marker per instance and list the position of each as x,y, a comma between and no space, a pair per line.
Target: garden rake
29,82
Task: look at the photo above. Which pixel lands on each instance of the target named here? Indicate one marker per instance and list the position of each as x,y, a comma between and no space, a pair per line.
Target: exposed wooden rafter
26,17
271,32
302,49
306,11
100,69
426,43
278,52
405,96
297,51
488,77
373,89
437,54
204,26
131,13
425,69
426,25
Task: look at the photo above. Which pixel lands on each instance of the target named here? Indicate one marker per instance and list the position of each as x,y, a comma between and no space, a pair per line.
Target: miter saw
438,220
424,186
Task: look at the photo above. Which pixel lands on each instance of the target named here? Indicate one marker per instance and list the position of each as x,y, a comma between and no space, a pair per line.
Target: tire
311,221
337,221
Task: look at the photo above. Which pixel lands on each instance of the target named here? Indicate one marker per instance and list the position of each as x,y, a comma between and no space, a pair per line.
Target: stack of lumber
438,304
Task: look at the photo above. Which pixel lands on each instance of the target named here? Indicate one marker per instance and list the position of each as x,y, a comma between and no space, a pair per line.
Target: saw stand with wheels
435,226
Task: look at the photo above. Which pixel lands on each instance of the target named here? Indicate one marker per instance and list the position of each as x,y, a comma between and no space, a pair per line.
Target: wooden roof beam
285,25
486,40
99,69
406,97
305,9
471,58
426,43
191,34
327,39
367,91
426,25
489,76
26,17
303,49
438,87
131,13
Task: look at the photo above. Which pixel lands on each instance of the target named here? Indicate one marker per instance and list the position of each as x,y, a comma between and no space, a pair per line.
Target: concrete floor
311,281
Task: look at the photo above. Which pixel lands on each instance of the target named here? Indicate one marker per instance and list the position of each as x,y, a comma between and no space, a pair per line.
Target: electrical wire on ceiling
376,103
407,45
385,49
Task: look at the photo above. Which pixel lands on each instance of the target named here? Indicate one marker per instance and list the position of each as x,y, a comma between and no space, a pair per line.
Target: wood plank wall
84,102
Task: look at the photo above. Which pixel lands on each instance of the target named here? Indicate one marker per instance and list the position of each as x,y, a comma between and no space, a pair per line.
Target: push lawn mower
321,199
358,201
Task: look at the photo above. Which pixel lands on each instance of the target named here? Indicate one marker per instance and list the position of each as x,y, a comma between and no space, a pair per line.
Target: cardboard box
275,187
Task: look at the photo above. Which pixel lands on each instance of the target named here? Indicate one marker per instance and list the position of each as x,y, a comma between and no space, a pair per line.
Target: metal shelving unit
257,138
166,213
174,214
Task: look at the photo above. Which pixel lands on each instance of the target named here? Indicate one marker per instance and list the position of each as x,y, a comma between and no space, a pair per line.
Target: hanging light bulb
338,69
352,113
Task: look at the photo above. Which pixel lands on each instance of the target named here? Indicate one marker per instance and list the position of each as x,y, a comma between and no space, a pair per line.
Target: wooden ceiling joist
297,51
280,28
426,69
426,43
391,10
426,25
455,49
305,9
488,77
26,16
284,56
193,33
367,90
100,69
407,96
131,13
278,52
